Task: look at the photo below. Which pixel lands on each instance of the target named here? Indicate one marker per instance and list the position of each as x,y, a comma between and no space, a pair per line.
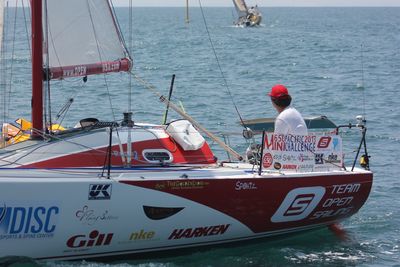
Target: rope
219,66
12,61
99,53
130,47
26,29
187,117
106,84
362,79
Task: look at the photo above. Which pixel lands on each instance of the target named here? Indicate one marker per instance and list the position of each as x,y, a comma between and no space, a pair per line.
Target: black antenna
169,98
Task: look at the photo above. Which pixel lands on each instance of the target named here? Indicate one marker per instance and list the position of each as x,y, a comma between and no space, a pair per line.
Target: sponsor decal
307,152
336,144
305,167
88,216
339,202
331,213
177,185
333,158
305,203
267,160
324,142
142,235
199,231
245,186
319,158
93,239
110,66
298,204
289,166
277,166
304,157
294,143
21,222
159,186
100,191
75,71
345,188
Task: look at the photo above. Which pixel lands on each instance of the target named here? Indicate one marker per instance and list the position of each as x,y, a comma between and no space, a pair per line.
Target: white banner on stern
302,153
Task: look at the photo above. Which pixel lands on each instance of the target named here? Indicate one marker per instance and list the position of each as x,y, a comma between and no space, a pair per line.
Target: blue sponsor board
21,222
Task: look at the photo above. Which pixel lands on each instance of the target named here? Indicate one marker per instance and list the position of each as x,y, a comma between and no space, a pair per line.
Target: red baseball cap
278,91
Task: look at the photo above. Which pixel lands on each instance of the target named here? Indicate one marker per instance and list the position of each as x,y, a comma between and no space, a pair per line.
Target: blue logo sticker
27,222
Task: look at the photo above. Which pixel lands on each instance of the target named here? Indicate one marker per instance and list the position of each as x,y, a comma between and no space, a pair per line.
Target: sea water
337,62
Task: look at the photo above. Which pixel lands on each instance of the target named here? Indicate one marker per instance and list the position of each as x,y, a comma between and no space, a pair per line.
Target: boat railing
325,158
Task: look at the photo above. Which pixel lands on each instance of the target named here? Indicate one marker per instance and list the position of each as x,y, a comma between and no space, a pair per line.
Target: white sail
241,7
82,38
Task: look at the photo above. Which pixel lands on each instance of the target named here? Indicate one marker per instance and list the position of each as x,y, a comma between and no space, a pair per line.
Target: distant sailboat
248,17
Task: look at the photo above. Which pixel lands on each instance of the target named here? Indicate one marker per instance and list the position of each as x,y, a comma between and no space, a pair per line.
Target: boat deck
221,171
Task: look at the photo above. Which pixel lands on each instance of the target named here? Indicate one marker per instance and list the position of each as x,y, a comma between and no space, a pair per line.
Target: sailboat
248,17
108,188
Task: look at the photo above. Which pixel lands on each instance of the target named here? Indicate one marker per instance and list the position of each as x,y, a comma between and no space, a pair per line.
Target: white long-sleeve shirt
290,121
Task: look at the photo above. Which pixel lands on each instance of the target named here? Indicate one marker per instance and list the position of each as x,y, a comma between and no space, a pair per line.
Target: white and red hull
76,213
57,203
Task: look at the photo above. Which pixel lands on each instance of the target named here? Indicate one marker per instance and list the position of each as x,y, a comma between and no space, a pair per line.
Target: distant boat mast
187,11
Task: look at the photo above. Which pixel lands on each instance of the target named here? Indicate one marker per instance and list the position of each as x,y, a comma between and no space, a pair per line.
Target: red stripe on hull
268,204
97,158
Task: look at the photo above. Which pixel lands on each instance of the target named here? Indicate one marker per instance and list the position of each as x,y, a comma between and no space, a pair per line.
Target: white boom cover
81,32
241,7
183,132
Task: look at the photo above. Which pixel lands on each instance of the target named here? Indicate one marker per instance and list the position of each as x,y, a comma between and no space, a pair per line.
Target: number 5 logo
298,204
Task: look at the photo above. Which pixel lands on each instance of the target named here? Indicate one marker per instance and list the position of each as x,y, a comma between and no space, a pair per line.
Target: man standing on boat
289,120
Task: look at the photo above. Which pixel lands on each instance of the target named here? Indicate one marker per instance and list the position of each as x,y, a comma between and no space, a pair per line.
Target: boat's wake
18,261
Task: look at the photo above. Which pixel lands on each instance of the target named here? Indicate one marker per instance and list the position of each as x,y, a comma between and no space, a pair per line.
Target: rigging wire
3,74
64,110
26,28
47,96
105,77
50,39
153,89
219,65
130,48
120,36
9,91
362,78
99,53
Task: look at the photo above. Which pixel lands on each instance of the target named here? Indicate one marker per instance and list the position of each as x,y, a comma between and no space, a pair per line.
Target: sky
261,2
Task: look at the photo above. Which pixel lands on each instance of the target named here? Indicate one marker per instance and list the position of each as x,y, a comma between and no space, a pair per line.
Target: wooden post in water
187,11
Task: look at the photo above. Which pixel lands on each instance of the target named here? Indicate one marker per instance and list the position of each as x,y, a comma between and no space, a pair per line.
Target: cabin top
267,124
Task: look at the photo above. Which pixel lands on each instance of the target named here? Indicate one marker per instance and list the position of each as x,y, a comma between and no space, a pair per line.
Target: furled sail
82,38
241,7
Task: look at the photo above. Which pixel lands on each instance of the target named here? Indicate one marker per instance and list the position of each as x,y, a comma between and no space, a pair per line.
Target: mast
37,69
